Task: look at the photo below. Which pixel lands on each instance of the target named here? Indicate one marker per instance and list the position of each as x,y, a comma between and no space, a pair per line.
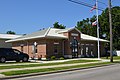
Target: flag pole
98,29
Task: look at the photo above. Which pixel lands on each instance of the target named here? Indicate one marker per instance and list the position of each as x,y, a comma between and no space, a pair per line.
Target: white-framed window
56,47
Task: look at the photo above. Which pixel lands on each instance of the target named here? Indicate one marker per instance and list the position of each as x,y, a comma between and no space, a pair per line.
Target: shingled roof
8,36
53,33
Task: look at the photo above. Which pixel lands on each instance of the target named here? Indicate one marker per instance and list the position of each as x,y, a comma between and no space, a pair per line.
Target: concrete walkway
39,61
52,66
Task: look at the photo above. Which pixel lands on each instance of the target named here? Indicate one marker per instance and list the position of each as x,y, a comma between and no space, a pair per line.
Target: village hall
67,43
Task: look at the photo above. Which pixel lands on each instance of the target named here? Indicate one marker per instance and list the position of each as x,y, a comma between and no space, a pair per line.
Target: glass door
74,47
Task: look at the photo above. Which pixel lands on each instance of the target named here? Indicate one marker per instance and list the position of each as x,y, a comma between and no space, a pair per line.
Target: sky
26,16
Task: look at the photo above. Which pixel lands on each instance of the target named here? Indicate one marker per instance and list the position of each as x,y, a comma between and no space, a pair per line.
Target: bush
53,57
61,58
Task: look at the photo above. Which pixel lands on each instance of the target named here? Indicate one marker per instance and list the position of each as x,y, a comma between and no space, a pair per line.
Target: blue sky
26,16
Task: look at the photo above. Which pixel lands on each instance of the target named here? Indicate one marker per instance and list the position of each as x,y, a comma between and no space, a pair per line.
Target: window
35,49
74,43
74,48
92,53
16,51
86,49
81,51
56,47
87,52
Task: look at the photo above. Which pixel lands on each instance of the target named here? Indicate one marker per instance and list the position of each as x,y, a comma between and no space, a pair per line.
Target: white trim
24,38
57,43
74,34
77,30
73,29
47,31
59,36
69,30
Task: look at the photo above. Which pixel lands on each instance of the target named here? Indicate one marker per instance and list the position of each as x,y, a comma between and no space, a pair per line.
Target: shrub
53,57
61,58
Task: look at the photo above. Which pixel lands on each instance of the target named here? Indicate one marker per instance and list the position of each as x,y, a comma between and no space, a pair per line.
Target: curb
43,73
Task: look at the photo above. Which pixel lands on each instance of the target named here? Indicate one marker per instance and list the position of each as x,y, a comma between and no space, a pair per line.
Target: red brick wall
45,47
50,47
70,37
27,48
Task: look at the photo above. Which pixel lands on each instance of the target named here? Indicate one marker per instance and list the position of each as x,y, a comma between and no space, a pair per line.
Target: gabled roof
8,36
53,33
67,30
49,32
87,37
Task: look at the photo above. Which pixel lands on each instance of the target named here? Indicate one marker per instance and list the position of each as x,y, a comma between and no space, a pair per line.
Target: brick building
70,43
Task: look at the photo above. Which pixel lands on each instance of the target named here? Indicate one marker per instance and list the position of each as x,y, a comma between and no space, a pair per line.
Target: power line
114,1
84,4
101,2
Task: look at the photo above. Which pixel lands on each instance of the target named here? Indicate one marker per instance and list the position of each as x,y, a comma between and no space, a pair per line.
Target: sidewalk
52,66
54,61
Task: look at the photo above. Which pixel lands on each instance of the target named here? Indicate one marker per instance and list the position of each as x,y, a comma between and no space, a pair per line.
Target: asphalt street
101,73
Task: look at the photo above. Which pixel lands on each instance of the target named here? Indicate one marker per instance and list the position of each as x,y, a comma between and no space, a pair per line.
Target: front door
74,47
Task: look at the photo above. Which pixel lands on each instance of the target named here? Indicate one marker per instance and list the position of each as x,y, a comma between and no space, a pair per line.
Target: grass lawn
114,57
45,64
20,72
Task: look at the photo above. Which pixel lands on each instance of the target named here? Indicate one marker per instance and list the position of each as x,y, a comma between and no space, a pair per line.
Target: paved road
102,73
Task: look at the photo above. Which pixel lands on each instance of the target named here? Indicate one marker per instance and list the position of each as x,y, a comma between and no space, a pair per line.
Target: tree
59,26
10,32
85,26
104,23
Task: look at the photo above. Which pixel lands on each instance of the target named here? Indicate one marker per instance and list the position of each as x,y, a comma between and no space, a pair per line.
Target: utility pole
110,22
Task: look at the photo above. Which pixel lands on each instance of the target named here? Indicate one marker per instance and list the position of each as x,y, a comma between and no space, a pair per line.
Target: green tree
85,26
59,26
10,32
104,24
